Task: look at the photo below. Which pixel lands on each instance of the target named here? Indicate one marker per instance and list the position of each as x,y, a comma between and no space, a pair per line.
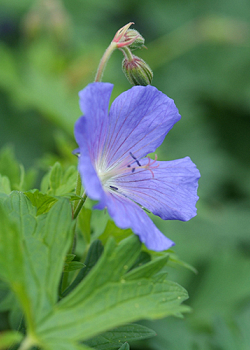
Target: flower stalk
112,47
120,41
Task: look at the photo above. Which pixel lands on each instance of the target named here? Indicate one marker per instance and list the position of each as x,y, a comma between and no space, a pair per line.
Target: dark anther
114,188
133,170
137,161
132,155
129,166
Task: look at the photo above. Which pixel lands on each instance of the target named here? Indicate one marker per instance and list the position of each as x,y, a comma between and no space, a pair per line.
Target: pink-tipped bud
132,34
126,37
137,71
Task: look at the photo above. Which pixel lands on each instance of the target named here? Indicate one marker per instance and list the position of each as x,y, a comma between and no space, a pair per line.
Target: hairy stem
104,61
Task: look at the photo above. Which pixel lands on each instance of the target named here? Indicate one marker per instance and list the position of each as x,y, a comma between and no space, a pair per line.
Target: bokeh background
200,54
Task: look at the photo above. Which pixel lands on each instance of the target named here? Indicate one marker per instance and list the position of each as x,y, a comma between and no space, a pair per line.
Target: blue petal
139,119
169,191
90,133
127,214
94,103
90,180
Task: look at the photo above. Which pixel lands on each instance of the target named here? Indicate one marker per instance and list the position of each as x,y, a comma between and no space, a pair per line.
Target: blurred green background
200,54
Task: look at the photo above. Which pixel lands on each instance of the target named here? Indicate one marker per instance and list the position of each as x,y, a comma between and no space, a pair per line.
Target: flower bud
137,71
131,34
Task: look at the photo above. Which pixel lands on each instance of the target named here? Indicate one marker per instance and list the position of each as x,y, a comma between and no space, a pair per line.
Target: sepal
137,71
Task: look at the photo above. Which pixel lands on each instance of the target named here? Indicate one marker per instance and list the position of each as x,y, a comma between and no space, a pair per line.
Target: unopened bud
137,71
138,43
126,37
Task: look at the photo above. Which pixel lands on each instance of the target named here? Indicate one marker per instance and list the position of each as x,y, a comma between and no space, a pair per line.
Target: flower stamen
149,165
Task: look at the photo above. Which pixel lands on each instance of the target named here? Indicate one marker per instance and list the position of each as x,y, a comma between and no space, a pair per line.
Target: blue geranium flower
112,164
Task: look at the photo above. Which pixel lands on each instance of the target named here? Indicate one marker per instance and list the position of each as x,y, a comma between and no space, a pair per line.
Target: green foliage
83,314
4,184
12,174
9,338
41,201
94,253
71,265
112,230
58,182
125,346
113,287
113,339
199,60
32,253
84,222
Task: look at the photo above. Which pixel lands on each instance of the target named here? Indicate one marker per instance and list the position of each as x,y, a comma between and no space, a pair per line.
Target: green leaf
14,171
106,299
9,338
147,270
125,346
9,166
73,265
5,184
44,187
7,298
142,259
32,251
69,257
59,182
41,201
112,230
55,177
66,345
94,253
84,220
115,337
175,261
16,318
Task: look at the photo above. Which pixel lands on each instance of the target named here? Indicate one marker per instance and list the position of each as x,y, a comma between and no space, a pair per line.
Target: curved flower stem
127,53
104,60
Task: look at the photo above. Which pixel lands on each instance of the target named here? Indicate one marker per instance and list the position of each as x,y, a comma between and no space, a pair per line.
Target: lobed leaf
41,201
32,251
113,292
105,299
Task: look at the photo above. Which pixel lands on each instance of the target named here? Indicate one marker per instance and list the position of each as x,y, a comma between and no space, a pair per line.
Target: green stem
65,277
79,205
78,189
104,61
28,342
77,208
127,53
